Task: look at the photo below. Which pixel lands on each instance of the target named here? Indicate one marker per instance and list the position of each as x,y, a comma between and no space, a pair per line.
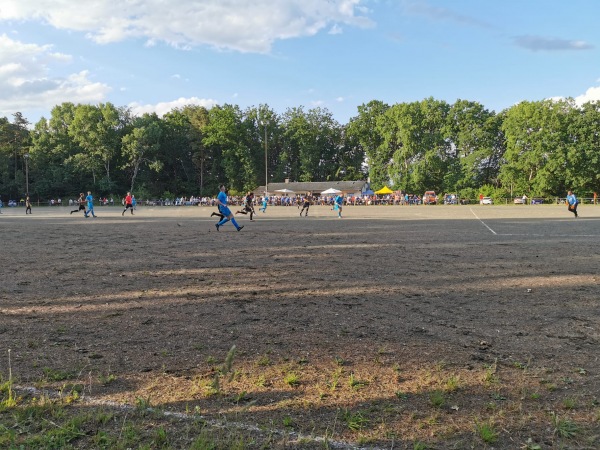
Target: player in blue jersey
572,203
90,205
264,203
338,203
223,209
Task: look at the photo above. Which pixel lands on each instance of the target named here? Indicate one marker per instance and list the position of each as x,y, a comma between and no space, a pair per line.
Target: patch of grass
437,399
355,383
58,375
486,432
292,379
569,403
105,380
335,379
452,383
263,361
564,428
355,421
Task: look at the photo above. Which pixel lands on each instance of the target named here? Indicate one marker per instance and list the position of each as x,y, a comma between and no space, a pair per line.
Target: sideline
294,436
484,224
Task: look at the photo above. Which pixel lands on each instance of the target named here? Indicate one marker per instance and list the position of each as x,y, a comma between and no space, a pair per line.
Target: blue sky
156,55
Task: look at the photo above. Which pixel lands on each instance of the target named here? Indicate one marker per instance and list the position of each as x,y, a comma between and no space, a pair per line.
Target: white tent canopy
331,191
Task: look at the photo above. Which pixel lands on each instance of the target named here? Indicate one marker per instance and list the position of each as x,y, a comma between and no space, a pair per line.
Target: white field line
483,223
294,437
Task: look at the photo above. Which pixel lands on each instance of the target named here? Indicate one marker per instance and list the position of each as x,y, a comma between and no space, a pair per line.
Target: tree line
540,149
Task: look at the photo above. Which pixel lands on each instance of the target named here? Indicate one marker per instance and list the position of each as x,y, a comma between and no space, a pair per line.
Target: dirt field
390,328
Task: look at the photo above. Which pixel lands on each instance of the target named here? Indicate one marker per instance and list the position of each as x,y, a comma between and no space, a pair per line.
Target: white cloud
163,108
27,83
233,24
592,94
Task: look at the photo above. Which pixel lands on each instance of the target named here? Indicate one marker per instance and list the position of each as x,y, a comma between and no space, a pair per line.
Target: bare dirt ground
390,328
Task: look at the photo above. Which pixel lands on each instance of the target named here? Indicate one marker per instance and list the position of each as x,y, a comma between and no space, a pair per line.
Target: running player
81,203
264,204
248,205
572,203
223,209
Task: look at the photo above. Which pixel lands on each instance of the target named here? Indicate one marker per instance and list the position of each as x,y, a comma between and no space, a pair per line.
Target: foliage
540,149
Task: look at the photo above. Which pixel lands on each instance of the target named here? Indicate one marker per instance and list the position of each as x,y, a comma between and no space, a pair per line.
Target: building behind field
348,188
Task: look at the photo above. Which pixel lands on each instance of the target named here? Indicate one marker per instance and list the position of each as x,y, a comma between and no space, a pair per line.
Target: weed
292,379
261,381
530,445
288,422
418,445
335,379
339,361
160,438
490,375
355,383
57,375
565,428
437,399
486,432
10,401
452,383
401,395
355,421
263,361
142,404
569,403
106,379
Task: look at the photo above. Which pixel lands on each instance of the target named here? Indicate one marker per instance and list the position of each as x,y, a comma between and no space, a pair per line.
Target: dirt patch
392,326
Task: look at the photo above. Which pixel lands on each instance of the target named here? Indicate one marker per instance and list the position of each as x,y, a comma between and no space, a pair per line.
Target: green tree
96,129
365,131
142,144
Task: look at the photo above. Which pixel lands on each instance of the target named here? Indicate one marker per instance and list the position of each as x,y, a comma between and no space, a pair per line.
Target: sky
157,55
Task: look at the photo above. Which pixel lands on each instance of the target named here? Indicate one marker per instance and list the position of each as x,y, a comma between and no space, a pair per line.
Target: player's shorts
128,205
224,210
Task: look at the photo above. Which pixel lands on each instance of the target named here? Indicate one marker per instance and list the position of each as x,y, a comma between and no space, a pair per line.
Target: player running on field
572,203
81,203
223,209
248,205
265,203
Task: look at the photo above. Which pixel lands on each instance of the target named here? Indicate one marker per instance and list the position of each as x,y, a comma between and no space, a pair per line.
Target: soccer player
338,203
223,209
90,206
264,204
27,205
305,205
572,203
128,204
248,205
81,202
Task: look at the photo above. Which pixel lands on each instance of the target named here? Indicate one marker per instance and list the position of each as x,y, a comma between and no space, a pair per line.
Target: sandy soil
494,307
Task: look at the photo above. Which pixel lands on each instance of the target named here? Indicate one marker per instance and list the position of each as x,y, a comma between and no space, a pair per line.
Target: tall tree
142,144
364,130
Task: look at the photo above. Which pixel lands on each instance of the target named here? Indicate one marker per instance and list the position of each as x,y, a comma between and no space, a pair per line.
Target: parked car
487,201
518,201
537,201
429,198
12,203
